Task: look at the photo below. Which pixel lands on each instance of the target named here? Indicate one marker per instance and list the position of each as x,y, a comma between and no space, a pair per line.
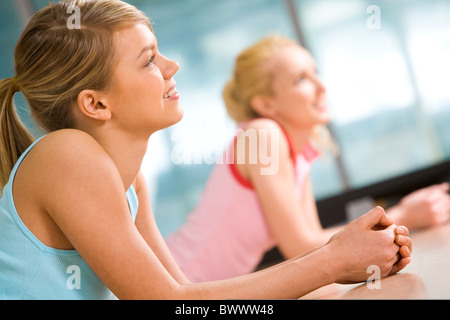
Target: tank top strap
237,175
132,198
22,156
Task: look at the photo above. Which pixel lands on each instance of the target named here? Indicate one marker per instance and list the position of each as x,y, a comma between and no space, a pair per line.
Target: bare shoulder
261,123
267,131
268,134
67,142
260,149
61,179
69,147
68,157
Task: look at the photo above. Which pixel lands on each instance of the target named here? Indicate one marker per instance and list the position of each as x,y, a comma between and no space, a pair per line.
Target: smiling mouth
321,105
171,93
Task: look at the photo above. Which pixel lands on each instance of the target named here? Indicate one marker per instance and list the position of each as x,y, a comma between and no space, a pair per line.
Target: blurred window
387,83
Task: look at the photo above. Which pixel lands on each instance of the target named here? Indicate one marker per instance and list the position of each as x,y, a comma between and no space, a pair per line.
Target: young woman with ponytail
75,214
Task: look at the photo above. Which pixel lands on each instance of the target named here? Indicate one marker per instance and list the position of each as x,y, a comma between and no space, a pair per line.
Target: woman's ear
90,104
263,106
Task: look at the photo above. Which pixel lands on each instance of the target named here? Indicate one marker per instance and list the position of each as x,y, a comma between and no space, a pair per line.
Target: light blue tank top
30,270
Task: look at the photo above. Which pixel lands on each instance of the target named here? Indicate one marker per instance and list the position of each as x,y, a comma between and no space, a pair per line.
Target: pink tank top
227,234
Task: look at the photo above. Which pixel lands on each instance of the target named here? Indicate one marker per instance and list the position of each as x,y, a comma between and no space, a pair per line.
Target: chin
180,114
324,118
176,118
326,121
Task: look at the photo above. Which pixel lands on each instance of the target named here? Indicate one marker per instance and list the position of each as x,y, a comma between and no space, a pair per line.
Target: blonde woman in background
75,214
248,207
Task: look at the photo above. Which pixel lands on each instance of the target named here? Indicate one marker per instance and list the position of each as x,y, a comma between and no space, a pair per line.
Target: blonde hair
252,76
54,63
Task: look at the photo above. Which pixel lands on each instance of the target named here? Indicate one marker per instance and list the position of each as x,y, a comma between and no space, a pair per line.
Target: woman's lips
171,94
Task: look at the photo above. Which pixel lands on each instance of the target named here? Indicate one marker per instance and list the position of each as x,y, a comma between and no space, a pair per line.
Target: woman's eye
150,61
300,79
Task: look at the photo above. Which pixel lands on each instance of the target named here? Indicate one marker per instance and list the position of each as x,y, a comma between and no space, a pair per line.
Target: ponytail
14,137
238,109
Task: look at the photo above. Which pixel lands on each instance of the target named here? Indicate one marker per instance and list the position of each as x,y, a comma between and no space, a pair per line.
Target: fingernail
401,239
407,251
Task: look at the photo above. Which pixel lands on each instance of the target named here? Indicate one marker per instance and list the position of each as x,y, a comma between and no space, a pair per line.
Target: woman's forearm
288,280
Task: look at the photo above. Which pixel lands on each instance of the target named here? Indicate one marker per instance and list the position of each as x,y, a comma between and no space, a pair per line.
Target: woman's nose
170,68
320,87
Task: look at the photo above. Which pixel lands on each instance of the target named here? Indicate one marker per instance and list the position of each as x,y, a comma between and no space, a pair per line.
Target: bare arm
310,209
294,223
425,207
147,227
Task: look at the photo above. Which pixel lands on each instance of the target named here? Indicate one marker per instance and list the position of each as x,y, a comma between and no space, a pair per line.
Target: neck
126,151
299,136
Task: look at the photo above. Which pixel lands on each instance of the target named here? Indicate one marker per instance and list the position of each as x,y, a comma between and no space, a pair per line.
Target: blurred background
386,69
